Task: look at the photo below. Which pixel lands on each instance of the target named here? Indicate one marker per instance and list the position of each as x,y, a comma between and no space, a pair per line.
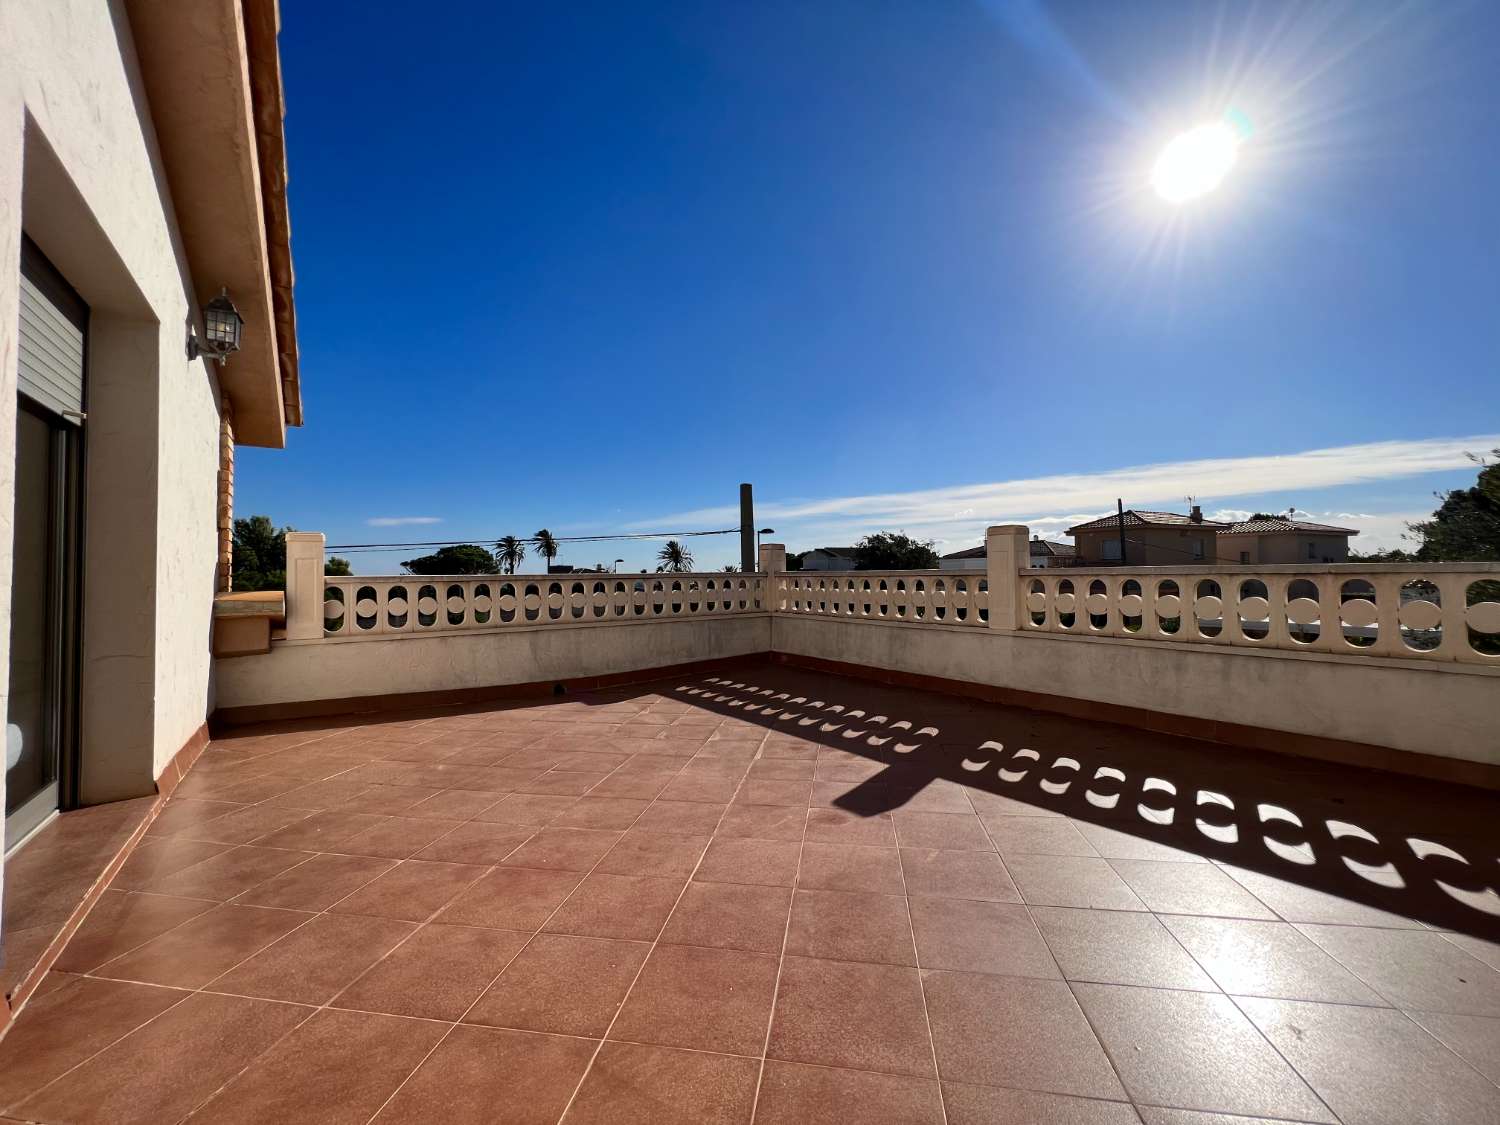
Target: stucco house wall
1283,547
81,174
1148,546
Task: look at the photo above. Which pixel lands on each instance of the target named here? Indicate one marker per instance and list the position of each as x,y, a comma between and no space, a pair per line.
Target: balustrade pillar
1007,552
304,585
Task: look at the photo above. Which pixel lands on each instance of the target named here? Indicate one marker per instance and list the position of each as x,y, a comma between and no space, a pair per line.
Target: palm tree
675,558
730,568
546,545
509,552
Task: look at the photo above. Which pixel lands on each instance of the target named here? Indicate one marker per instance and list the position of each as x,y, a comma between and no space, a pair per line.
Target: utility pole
1120,515
748,561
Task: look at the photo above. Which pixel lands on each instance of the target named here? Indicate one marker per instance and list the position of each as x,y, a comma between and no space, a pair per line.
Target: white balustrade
418,604
932,597
1442,612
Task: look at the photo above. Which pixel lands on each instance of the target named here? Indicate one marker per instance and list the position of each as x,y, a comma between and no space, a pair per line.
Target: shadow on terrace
1293,830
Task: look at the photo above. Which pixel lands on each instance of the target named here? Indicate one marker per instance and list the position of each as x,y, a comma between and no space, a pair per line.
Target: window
1197,548
1312,551
1244,556
1112,550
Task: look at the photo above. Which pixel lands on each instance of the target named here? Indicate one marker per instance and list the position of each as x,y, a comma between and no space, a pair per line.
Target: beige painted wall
1148,546
295,672
1427,709
1287,547
79,169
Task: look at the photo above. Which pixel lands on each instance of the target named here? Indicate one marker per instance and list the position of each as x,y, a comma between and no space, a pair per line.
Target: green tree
1466,525
259,554
546,545
336,567
467,558
794,560
509,552
674,558
894,550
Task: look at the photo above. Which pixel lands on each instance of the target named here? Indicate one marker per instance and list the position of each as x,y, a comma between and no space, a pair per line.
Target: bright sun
1195,162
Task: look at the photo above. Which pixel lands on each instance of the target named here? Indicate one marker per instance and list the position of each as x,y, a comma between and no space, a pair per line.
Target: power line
532,540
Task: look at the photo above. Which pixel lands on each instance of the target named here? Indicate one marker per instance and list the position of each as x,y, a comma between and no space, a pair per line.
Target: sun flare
1195,163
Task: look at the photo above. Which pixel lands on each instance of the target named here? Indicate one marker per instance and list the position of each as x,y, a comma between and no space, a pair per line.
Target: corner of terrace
1016,845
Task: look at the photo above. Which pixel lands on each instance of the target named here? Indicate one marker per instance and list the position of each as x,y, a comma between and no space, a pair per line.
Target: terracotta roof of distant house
1136,517
1037,547
1250,527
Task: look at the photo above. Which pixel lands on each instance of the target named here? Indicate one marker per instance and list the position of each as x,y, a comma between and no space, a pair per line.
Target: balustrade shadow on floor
1420,850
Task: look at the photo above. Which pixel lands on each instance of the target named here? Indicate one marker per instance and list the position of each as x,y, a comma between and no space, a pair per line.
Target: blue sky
590,266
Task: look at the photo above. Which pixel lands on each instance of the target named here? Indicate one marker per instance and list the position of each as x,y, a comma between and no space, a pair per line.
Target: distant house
829,558
1043,553
1260,542
1150,539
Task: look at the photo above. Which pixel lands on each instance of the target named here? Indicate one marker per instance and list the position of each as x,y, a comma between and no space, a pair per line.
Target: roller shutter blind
53,319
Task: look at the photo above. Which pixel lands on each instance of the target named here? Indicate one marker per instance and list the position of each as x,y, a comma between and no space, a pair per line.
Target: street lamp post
759,532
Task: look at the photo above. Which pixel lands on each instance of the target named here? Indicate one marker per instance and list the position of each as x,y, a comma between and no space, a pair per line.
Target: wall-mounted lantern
222,323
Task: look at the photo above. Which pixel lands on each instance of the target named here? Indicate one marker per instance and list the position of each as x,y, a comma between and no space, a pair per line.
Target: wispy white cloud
401,521
959,514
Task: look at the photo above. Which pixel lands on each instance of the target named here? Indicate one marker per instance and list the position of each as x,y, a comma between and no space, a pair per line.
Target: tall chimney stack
1196,515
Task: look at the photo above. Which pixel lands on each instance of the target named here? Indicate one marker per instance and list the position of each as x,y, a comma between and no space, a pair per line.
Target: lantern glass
221,325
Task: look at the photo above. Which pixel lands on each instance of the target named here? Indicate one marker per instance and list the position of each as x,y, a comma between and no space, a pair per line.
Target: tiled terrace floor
779,897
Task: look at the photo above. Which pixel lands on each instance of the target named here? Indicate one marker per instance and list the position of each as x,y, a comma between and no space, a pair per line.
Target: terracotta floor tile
684,818
512,898
320,831
1119,947
796,1094
1413,968
477,841
1297,903
184,812
973,936
200,949
157,859
245,824
1112,843
435,974
398,838
630,1084
1054,880
957,874
626,907
1272,959
313,962
316,884
1036,835
834,826
227,874
487,1076
69,1023
559,783
838,1013
781,769
714,789
1373,1065
119,922
338,1067
642,785
334,791
412,890
845,926
562,984
1188,888
990,1105
161,1071
771,863
1194,1050
602,812
774,791
936,796
563,849
1475,1039
455,804
730,916
653,853
949,831
392,800
763,822
535,809
849,867
704,999
1015,1032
